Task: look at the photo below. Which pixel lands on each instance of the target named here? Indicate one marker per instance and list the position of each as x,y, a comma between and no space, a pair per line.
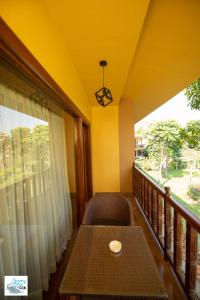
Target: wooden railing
175,228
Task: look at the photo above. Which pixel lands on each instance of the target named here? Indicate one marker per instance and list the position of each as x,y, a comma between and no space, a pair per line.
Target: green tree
5,156
40,136
192,134
191,152
21,145
21,138
164,143
193,95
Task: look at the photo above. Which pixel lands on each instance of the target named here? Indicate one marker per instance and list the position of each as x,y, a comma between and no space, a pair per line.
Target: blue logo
16,285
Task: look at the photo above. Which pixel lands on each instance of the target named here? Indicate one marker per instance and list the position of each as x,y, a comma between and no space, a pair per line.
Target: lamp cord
103,76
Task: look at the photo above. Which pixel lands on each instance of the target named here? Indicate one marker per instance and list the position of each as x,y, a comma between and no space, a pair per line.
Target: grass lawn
176,173
178,181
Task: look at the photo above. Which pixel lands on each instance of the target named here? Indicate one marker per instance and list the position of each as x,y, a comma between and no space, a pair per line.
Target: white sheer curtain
35,204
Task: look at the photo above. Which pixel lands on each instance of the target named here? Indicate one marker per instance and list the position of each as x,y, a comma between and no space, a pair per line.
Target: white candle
115,246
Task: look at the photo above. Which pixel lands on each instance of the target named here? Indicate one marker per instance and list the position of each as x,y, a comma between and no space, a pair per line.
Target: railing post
137,184
168,223
191,260
139,188
145,197
159,216
149,203
178,241
134,179
142,192
154,211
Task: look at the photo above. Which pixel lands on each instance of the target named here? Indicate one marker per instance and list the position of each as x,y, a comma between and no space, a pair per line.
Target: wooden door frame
79,162
15,53
89,162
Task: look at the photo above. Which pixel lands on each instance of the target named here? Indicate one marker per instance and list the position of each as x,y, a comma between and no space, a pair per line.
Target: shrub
194,191
182,164
172,165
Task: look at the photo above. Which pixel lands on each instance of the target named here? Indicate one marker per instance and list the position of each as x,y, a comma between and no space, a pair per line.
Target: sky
176,109
10,118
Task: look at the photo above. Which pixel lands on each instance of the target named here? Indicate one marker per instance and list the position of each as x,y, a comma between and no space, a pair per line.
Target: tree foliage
169,145
164,144
41,134
193,95
164,140
192,136
40,138
24,150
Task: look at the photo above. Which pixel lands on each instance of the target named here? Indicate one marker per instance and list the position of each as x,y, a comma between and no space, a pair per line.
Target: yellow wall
126,145
105,149
29,20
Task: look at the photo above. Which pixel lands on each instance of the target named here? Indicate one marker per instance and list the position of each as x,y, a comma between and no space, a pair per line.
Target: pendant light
104,96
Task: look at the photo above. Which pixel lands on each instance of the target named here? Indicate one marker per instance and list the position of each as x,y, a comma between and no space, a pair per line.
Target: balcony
66,71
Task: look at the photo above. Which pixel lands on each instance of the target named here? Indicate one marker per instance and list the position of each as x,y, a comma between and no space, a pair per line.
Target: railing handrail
193,220
158,188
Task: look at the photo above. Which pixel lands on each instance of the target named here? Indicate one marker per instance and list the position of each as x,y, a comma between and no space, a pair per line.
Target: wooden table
93,270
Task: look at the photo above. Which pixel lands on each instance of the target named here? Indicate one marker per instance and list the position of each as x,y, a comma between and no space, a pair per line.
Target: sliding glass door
35,204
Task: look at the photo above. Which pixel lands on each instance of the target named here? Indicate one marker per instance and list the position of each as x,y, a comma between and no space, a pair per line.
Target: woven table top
94,270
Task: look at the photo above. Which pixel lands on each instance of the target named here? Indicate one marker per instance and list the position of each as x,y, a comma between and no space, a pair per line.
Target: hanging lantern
104,96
